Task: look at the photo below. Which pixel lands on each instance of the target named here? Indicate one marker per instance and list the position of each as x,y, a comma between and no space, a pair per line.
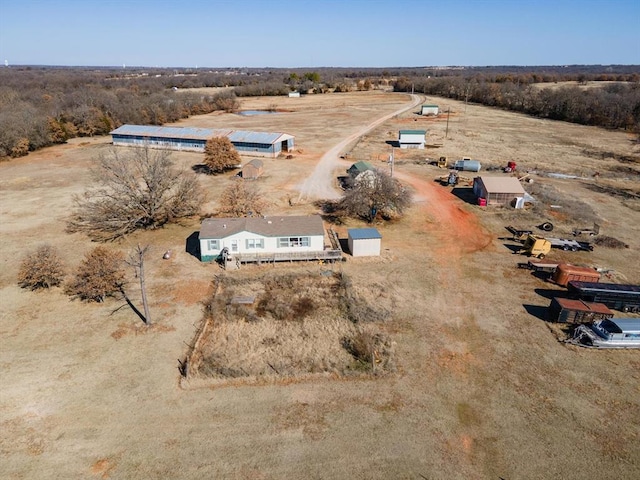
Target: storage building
429,110
565,310
253,169
364,242
358,168
499,190
412,138
260,144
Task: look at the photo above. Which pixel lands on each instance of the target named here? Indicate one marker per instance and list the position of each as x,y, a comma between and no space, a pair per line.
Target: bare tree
138,189
375,192
220,155
136,260
41,269
241,200
100,275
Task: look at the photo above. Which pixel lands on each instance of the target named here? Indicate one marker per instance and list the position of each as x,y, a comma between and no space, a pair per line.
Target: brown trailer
565,310
566,273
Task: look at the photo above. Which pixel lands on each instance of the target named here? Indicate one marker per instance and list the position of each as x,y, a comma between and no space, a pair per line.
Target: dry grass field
481,388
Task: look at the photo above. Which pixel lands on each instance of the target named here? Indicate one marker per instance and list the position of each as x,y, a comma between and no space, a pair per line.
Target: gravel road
320,183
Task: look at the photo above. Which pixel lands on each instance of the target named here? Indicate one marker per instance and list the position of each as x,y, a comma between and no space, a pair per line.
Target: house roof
213,228
430,105
239,136
363,233
502,185
413,132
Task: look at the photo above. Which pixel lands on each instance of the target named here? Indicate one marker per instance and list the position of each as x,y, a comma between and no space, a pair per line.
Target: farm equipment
592,232
518,234
442,162
511,167
540,267
537,246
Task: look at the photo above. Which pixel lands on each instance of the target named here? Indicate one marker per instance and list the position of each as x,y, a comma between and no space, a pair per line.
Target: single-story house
359,167
412,138
253,169
258,144
262,238
429,110
364,242
499,190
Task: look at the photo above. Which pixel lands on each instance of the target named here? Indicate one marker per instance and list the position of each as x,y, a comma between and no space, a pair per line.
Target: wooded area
42,106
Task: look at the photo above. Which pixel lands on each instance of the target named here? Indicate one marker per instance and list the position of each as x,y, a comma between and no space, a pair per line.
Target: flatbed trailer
568,244
542,267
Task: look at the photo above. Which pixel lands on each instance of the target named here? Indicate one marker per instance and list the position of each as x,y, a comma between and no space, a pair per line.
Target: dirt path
320,183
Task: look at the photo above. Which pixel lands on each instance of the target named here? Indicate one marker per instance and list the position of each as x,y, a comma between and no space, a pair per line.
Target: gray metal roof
216,228
264,138
364,233
627,325
188,133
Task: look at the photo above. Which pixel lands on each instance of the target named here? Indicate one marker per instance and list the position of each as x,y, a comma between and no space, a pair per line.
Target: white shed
412,138
429,110
294,94
364,242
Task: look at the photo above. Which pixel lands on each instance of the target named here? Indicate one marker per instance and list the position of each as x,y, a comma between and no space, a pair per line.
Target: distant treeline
42,106
610,105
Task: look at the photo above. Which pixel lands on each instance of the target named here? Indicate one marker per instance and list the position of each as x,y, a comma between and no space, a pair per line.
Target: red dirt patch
102,468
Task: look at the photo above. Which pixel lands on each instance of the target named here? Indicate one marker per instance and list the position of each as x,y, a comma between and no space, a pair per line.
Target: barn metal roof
257,137
413,132
363,233
170,132
193,133
216,228
502,185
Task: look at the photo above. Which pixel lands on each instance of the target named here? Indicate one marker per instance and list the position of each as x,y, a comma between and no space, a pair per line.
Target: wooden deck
331,255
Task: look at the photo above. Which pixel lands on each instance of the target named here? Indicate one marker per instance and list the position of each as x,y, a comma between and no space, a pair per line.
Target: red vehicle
511,167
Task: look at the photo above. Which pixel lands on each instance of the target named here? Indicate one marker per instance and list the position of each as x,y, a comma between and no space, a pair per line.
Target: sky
319,33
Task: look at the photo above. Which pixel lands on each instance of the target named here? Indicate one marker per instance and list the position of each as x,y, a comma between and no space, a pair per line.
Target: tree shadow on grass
202,169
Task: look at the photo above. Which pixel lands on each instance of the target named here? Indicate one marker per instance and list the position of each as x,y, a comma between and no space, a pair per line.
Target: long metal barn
260,144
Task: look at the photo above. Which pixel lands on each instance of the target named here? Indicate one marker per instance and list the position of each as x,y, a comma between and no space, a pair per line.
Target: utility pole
391,161
446,132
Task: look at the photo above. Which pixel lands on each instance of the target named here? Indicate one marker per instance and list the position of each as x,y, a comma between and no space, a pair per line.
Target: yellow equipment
442,162
536,246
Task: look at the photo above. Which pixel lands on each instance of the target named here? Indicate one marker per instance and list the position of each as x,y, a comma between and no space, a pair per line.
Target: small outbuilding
294,94
358,168
412,139
253,169
429,110
364,242
499,191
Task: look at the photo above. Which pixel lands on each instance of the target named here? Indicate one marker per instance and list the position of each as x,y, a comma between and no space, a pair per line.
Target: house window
213,244
284,242
253,243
